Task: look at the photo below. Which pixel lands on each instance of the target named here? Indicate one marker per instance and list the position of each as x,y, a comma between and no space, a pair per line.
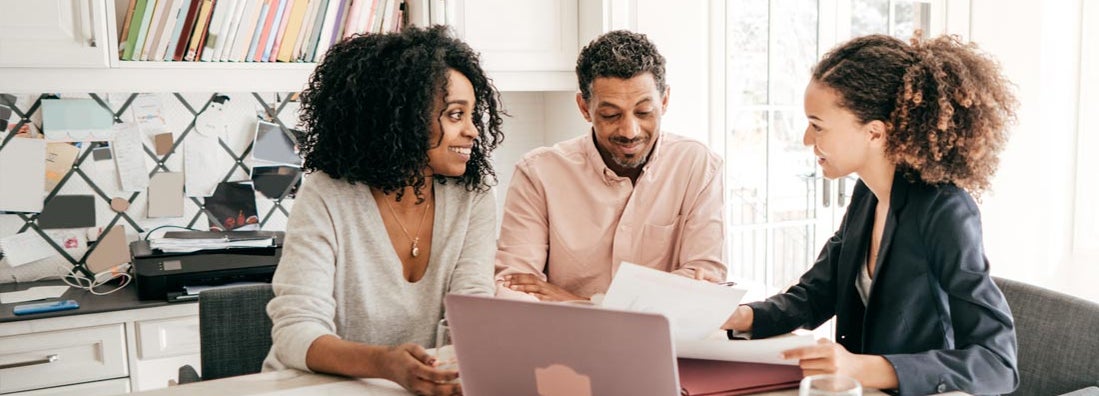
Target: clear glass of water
829,385
444,348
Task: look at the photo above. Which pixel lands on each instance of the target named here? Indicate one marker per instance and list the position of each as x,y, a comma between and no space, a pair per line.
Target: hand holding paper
694,308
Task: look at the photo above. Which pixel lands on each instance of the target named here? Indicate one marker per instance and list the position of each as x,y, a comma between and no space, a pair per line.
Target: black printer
161,274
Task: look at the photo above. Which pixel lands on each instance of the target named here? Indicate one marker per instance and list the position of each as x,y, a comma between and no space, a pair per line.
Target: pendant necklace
415,241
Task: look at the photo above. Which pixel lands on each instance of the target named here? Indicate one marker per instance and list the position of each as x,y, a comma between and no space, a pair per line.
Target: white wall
680,31
1029,215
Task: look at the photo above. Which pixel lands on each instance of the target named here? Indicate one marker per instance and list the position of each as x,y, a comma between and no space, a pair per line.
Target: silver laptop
507,347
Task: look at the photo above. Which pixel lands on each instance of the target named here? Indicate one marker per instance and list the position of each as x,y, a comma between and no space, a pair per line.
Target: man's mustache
624,141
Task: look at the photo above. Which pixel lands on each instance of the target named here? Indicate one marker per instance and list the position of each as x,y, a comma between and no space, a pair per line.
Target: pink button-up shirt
571,220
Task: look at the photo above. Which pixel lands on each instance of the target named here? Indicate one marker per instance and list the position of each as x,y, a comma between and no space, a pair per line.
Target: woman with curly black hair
396,210
922,125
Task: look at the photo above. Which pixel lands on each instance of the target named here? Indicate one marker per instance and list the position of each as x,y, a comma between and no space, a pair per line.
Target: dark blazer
933,311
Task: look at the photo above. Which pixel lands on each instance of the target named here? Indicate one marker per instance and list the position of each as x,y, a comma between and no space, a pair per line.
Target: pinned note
23,190
166,195
59,160
25,247
110,250
129,156
74,120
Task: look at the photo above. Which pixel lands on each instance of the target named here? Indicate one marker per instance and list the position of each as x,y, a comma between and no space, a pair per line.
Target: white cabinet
532,45
101,353
53,33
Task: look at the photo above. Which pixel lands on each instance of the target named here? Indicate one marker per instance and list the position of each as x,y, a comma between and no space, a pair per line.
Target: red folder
699,377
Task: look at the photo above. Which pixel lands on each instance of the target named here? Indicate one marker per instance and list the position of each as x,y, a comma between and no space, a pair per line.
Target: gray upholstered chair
1058,339
235,332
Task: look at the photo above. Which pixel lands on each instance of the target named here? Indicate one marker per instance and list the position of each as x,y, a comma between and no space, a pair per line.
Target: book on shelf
153,34
171,40
143,30
215,31
256,52
198,36
306,28
169,30
126,27
135,27
226,44
284,46
185,33
284,19
313,41
330,29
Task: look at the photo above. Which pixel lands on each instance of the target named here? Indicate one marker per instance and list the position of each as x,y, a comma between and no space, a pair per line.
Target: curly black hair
946,104
620,54
368,110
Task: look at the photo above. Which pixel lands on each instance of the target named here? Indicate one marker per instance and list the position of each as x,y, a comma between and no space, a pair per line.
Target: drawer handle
45,360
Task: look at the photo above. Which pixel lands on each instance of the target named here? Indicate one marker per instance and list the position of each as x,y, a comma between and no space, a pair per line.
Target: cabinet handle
826,197
88,16
46,360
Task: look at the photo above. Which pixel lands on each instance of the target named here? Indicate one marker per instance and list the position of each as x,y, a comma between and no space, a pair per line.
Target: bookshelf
528,46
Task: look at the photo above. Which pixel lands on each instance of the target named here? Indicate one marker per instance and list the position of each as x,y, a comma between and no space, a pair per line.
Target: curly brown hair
368,110
619,54
945,104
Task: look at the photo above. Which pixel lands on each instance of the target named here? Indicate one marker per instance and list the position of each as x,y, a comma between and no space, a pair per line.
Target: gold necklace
415,241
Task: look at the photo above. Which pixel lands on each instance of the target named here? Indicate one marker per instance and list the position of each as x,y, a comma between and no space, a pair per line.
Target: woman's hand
828,357
740,320
413,368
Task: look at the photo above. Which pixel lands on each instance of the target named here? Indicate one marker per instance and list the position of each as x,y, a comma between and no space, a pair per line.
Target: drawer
170,337
99,388
62,357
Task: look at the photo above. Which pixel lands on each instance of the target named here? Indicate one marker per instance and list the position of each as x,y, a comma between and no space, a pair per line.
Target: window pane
747,254
869,17
794,49
746,46
794,253
791,185
908,16
746,167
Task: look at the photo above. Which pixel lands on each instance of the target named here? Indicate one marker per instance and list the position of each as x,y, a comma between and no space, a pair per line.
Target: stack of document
186,242
696,310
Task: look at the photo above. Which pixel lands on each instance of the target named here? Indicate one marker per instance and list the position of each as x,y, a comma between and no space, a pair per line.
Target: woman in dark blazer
922,125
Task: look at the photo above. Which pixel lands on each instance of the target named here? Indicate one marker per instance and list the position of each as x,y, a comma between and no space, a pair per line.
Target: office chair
235,332
1058,339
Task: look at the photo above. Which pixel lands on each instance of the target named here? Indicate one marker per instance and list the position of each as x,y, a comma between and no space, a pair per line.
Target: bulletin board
234,157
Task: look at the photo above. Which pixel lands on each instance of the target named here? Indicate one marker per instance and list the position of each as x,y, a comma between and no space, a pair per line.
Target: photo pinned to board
232,207
273,147
276,182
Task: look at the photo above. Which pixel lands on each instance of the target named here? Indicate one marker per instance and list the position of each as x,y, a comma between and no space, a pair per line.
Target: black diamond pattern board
77,207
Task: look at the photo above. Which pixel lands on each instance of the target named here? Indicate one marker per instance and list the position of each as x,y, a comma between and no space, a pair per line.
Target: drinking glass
829,385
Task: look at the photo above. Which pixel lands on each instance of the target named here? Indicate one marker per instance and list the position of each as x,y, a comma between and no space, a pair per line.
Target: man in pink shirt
624,191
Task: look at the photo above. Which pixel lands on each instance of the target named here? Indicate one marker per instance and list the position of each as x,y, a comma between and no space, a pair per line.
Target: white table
292,382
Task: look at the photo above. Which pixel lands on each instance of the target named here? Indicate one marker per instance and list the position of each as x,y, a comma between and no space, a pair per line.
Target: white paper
34,293
129,156
23,181
203,162
694,308
72,120
25,247
766,350
147,112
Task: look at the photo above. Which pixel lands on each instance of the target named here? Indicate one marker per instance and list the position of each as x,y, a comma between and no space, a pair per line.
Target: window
780,209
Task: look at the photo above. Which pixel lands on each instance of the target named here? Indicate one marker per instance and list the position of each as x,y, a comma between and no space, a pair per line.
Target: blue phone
49,306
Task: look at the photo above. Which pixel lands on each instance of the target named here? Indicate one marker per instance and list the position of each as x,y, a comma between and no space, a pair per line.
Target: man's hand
413,368
537,287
